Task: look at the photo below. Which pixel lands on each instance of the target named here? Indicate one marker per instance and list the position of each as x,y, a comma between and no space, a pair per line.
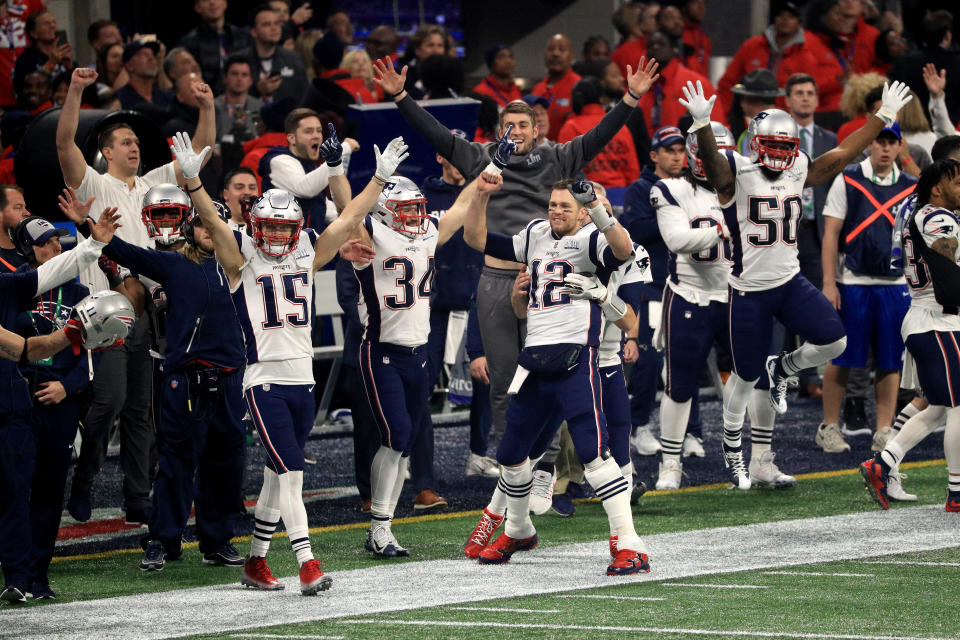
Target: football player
760,195
558,377
930,249
270,273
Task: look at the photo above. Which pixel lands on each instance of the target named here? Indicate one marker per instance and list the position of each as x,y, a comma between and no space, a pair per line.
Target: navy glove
331,150
505,149
582,192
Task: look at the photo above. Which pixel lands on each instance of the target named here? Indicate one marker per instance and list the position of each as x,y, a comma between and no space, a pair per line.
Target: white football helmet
725,140
402,207
276,221
773,139
164,210
105,317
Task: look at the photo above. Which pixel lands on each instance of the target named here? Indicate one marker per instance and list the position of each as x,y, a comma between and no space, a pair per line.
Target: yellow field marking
465,514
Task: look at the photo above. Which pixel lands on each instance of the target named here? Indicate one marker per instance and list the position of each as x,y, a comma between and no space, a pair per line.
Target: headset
193,215
23,247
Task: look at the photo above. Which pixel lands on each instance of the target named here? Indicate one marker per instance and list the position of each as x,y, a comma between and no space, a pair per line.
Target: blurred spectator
661,104
488,118
213,41
358,87
670,22
303,46
696,43
237,110
425,42
60,84
359,64
936,47
45,50
628,21
617,164
270,134
102,33
441,77
184,110
914,125
13,209
838,25
382,42
140,62
339,23
238,185
500,85
889,46
757,92
540,106
111,73
292,22
277,72
179,62
936,83
325,92
558,84
595,47
784,49
13,39
855,103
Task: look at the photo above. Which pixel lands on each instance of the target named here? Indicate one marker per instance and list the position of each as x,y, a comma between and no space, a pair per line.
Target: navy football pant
283,416
616,409
205,440
395,379
17,454
421,454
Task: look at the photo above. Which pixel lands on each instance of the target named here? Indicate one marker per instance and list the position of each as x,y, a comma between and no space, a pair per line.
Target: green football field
818,561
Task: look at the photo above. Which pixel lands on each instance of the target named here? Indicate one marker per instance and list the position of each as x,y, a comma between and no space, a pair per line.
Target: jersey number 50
271,309
776,227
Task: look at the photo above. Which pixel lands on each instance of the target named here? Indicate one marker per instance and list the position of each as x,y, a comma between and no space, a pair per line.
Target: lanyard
496,90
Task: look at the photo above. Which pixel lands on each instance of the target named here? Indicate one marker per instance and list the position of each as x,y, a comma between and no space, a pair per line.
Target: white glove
697,104
895,96
190,161
390,158
583,287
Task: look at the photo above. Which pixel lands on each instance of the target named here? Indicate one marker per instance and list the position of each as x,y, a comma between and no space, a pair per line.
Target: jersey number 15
271,309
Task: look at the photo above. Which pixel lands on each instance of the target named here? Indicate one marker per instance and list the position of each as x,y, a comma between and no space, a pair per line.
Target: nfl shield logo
174,384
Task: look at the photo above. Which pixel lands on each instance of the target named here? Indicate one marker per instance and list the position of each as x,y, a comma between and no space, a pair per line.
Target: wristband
492,168
908,161
601,218
24,360
189,190
398,93
380,181
613,308
632,95
634,339
335,169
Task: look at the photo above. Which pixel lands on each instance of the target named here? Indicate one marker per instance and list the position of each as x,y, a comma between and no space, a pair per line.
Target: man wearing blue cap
871,297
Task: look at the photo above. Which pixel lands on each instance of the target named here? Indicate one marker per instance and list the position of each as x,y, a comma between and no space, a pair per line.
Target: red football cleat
257,574
953,502
876,481
480,538
312,579
504,547
628,562
613,547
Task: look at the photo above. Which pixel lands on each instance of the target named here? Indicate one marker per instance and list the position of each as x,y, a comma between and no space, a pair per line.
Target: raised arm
72,162
224,242
205,135
331,150
680,237
70,264
715,164
330,241
475,223
617,237
939,116
828,165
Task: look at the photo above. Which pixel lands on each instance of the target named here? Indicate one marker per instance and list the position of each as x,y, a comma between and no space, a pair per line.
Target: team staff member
17,440
200,434
528,179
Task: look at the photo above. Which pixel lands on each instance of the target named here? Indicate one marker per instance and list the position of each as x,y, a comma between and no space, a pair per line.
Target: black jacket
204,43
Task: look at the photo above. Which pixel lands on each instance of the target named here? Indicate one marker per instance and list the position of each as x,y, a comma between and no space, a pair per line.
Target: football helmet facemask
164,210
276,221
402,207
773,139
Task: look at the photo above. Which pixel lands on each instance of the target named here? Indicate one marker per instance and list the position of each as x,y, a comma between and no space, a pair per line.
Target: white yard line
689,632
715,586
285,636
600,597
501,610
413,585
922,564
818,574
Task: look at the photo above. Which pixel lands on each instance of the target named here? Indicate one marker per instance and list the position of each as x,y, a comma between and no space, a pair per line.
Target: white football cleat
763,472
643,441
671,473
541,492
693,446
733,460
482,466
895,487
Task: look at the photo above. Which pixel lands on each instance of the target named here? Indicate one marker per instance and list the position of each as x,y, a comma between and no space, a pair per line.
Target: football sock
612,488
918,427
905,414
736,395
627,472
673,426
294,514
383,478
266,514
762,417
516,482
498,501
951,448
402,466
811,355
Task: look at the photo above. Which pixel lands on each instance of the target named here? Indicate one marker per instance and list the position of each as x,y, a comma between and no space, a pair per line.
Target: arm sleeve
468,157
836,204
574,155
287,173
940,117
601,254
674,225
153,264
68,265
632,294
502,246
474,341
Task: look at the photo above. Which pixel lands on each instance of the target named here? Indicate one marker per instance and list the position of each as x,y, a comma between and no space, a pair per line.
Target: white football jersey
688,214
554,317
630,272
395,286
762,218
274,302
925,313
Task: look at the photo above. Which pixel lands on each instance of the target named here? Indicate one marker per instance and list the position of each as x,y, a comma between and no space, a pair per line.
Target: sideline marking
916,562
499,610
688,632
600,597
285,635
716,586
817,573
466,514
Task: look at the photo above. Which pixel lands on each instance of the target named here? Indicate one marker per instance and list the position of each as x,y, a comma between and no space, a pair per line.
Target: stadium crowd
263,107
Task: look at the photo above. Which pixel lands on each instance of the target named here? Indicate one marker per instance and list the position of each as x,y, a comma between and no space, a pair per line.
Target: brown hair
519,106
4,200
797,79
292,121
562,184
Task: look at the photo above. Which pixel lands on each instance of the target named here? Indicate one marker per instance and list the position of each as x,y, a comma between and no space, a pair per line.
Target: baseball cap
131,48
891,130
665,136
531,100
37,231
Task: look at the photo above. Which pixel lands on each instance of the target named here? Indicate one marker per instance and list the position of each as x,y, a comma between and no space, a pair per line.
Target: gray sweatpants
503,334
